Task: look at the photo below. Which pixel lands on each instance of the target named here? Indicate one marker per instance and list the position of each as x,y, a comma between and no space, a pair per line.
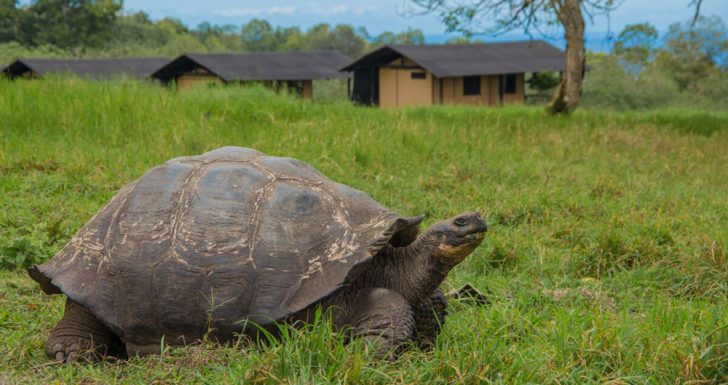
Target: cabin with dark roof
470,74
292,70
140,68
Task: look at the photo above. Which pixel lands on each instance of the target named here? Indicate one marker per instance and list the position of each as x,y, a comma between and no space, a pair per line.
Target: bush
608,85
13,50
330,90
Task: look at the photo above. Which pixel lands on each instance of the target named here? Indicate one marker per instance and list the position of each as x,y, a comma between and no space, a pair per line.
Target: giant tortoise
231,241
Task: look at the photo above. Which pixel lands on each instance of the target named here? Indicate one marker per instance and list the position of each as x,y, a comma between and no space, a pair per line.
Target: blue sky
382,15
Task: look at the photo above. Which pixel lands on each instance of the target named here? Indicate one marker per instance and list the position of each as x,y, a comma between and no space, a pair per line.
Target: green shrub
608,85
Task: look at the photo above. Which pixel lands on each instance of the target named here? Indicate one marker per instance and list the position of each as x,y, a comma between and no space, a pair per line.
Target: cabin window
419,75
471,85
510,87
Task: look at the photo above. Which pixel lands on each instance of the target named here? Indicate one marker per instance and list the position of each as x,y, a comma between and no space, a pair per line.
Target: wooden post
371,85
442,96
501,88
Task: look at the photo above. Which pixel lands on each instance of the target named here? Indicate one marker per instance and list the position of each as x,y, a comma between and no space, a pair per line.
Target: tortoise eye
461,222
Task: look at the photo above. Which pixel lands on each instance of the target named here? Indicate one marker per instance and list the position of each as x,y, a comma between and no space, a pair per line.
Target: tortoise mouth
474,236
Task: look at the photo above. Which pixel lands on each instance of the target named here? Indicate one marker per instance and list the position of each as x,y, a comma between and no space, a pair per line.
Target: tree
218,38
385,38
9,21
342,38
543,81
695,50
345,39
635,46
459,40
410,36
696,4
71,23
498,16
258,35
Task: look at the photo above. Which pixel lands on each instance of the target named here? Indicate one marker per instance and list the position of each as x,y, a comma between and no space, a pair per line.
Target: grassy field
607,259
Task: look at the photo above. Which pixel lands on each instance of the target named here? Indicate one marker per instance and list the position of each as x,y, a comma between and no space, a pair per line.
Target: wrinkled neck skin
414,271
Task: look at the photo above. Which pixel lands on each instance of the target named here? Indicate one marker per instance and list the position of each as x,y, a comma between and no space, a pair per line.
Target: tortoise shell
217,240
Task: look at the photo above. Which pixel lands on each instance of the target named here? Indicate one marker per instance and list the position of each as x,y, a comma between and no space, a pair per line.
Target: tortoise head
457,237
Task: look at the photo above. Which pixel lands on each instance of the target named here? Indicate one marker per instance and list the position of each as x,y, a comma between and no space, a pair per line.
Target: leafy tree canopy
635,45
100,28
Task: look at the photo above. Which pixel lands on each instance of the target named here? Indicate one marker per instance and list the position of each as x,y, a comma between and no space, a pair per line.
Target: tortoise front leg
383,318
429,318
80,334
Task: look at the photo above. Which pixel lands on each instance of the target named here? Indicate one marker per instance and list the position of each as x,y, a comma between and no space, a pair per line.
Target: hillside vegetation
606,260
684,67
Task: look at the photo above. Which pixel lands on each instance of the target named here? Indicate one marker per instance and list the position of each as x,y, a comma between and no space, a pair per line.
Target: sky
392,15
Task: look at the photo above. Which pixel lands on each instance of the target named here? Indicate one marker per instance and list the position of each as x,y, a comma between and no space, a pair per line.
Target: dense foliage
99,28
689,68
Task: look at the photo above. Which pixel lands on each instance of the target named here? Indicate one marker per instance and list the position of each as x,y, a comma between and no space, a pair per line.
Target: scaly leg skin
384,319
429,318
80,335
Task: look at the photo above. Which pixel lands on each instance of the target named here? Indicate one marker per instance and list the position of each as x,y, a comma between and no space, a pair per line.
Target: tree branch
697,4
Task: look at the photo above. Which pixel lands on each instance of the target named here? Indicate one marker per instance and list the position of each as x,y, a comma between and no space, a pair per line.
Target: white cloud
362,10
236,12
312,9
338,9
316,9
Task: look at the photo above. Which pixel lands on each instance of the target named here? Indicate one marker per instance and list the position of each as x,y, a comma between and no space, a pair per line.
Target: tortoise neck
422,258
414,271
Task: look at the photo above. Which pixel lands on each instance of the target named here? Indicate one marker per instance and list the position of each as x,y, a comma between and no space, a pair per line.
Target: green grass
606,261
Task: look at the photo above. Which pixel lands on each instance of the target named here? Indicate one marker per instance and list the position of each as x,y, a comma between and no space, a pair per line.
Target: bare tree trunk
568,94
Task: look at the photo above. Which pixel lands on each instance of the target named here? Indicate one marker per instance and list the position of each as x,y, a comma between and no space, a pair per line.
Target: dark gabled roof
446,60
99,68
260,66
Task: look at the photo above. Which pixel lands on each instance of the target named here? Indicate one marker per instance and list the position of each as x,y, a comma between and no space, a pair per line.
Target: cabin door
366,86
